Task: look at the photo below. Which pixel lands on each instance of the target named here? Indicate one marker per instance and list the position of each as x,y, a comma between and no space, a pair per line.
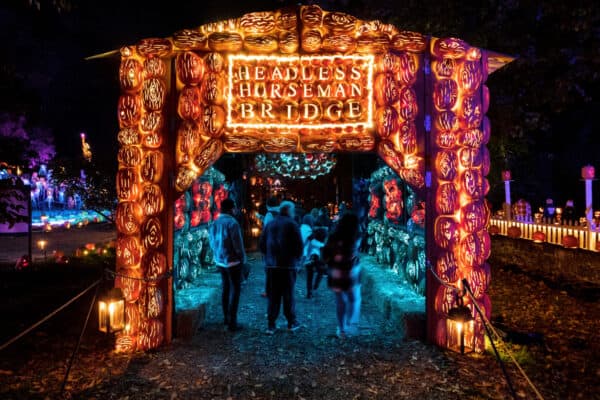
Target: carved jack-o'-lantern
184,178
386,89
130,156
445,93
408,103
394,204
155,303
129,136
132,317
386,121
447,121
128,251
471,138
127,184
479,280
473,183
152,200
470,76
213,120
128,217
470,157
471,111
446,232
408,137
129,110
151,334
155,265
445,299
408,68
154,67
213,88
214,62
446,267
130,74
190,68
154,93
474,249
208,154
446,164
446,198
474,216
444,67
450,48
445,139
152,233
190,103
152,122
152,166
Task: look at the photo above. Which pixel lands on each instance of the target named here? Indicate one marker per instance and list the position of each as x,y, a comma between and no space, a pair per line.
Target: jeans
348,309
230,297
314,265
281,286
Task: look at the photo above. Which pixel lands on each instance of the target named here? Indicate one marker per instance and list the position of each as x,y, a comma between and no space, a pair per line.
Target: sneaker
294,327
340,333
270,330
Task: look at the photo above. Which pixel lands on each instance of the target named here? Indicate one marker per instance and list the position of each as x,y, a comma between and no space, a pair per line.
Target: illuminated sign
300,92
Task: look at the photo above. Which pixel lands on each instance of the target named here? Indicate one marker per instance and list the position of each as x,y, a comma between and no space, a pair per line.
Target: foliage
22,145
97,190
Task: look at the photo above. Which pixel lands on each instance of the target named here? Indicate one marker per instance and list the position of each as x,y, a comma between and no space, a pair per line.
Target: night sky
545,105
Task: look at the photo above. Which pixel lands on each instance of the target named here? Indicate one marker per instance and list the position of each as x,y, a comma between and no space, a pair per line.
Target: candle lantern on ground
42,246
460,326
111,311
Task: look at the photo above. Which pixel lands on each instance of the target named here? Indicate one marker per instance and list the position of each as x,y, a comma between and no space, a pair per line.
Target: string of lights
295,165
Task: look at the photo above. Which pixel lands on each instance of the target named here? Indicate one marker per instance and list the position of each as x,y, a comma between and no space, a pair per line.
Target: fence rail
588,239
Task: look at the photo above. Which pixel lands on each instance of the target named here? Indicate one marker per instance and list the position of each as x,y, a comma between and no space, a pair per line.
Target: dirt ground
556,329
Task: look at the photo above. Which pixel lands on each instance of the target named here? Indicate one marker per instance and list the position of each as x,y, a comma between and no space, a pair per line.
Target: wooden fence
588,239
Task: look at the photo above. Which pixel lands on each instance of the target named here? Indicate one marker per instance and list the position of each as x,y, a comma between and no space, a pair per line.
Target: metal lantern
460,326
111,311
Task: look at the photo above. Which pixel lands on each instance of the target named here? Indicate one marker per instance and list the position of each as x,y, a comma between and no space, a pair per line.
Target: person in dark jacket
225,238
341,255
281,246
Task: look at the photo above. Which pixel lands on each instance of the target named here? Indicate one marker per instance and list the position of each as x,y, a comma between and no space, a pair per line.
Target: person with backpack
340,253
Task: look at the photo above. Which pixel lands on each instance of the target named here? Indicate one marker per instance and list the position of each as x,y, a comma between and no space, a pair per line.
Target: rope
488,325
158,278
53,313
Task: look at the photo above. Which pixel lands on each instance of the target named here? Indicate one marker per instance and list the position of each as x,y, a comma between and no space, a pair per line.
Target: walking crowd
317,245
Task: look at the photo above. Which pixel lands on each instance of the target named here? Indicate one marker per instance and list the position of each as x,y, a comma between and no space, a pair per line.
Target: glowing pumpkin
513,232
539,237
570,242
190,68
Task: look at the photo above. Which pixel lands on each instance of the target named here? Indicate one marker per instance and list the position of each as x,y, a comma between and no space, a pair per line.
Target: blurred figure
281,246
272,212
569,212
226,242
341,255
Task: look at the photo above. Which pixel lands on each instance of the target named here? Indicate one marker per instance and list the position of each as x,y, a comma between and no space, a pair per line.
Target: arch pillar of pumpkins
302,79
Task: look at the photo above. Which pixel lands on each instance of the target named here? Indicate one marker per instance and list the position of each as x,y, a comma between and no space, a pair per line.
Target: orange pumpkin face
152,122
446,121
155,303
539,237
127,184
444,67
386,121
446,199
409,66
470,76
129,110
408,103
154,67
155,265
386,89
446,232
152,200
570,242
213,88
190,68
446,164
154,93
152,166
128,251
130,156
190,103
128,217
446,267
474,216
513,232
408,137
213,120
151,334
130,75
152,236
445,94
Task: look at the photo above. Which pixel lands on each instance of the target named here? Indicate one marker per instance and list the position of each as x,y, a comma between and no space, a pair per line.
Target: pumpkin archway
301,80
